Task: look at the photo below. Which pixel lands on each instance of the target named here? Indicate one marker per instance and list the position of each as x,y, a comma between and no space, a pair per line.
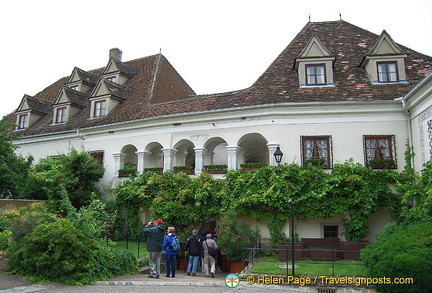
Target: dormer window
61,115
112,78
315,74
387,72
29,111
315,65
23,121
99,108
385,62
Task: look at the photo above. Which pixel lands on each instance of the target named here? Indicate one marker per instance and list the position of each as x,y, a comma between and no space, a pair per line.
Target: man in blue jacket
155,232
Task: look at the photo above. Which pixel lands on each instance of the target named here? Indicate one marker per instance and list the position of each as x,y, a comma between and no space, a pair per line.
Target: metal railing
333,257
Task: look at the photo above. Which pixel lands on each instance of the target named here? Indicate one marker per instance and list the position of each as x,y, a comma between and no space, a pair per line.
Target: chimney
115,53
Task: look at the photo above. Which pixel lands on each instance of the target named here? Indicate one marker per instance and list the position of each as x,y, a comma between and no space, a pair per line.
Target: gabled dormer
106,96
116,71
81,80
29,111
385,62
67,104
315,65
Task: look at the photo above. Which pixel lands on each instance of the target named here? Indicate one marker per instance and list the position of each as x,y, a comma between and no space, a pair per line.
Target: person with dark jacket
170,253
193,247
155,232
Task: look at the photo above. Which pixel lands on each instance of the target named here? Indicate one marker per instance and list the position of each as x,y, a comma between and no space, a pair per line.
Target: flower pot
225,267
237,266
183,263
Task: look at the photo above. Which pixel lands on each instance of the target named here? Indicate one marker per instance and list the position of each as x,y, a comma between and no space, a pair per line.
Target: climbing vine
263,194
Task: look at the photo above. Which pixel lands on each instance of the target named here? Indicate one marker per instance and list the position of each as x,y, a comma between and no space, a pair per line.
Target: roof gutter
403,100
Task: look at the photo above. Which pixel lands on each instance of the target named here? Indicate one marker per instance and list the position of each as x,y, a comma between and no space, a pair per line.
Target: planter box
123,175
383,166
237,266
216,171
188,172
321,248
351,250
285,252
319,253
225,266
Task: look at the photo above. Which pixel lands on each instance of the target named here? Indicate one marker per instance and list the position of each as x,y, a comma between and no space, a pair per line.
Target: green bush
48,247
253,165
404,253
215,167
182,168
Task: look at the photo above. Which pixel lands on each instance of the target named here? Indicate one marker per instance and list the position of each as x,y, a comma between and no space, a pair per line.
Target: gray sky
216,46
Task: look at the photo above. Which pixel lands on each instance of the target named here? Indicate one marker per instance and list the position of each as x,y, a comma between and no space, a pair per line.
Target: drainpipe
404,106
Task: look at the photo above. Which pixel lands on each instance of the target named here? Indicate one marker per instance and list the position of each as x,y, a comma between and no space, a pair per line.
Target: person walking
209,261
193,248
155,232
171,245
202,238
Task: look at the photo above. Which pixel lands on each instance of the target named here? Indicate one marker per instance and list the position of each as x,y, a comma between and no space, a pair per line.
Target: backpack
175,244
211,251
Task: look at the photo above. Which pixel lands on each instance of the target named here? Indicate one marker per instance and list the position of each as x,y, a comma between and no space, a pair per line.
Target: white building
335,92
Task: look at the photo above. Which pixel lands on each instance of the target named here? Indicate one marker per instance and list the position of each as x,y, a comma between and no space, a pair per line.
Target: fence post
127,239
332,261
139,238
286,259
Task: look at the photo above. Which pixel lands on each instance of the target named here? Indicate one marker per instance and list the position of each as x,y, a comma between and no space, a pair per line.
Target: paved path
138,283
141,282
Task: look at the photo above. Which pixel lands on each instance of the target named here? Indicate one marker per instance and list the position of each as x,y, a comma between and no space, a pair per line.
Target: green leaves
264,194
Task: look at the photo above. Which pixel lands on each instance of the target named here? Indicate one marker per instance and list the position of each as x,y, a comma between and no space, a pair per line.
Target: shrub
215,167
5,238
153,169
235,236
182,168
55,251
253,165
46,247
404,253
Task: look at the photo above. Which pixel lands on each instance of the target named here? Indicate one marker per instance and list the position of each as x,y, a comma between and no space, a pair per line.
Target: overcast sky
216,46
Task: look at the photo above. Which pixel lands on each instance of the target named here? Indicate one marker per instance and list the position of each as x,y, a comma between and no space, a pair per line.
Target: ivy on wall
263,194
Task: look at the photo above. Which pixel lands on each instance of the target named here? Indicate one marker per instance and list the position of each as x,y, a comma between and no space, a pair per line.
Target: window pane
380,152
103,104
22,121
316,148
382,72
311,75
331,231
387,72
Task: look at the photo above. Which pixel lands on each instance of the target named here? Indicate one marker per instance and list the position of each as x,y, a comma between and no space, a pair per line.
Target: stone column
118,162
168,159
232,157
140,163
200,154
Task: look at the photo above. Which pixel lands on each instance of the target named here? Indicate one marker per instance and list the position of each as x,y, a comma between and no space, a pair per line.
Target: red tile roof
157,89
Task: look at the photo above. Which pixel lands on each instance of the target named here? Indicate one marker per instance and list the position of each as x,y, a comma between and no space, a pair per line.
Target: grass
132,246
270,265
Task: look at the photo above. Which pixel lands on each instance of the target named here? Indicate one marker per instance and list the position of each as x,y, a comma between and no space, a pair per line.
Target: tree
76,173
14,169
